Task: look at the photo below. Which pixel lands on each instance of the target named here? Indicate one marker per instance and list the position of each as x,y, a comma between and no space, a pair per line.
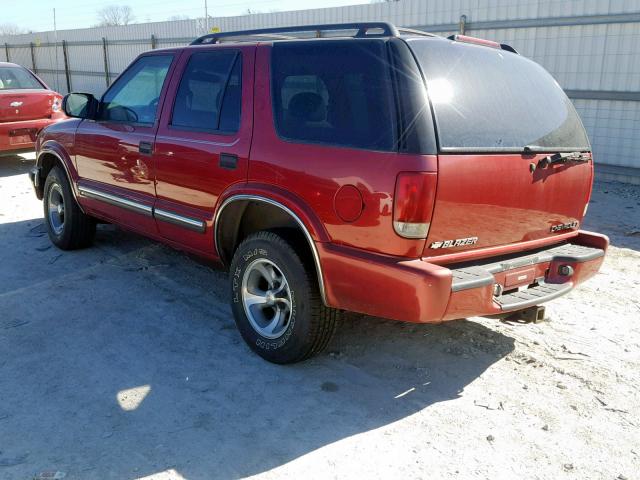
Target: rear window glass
489,99
15,78
210,93
335,93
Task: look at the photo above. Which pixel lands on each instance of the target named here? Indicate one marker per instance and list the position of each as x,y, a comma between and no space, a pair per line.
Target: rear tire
276,301
68,227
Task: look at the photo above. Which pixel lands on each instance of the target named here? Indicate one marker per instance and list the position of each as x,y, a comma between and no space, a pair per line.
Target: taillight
413,204
56,105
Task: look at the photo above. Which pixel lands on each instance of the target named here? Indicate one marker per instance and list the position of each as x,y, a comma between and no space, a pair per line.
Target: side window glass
232,100
335,94
304,104
209,95
134,97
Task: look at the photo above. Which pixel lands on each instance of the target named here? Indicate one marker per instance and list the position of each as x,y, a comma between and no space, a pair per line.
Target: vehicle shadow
122,361
16,164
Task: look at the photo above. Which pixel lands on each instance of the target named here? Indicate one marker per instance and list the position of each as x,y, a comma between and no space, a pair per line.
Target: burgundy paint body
24,112
345,204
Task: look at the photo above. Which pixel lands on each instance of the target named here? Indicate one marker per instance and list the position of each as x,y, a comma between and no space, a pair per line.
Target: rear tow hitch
528,315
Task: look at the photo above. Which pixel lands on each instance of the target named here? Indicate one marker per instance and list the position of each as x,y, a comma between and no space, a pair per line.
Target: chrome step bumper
481,275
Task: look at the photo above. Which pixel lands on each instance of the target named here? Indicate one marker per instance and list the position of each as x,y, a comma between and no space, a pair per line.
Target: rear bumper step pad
533,295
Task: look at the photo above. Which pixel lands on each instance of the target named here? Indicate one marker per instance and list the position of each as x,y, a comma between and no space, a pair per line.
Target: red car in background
27,105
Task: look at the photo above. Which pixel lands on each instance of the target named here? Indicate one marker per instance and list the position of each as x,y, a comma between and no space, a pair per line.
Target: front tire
68,227
276,302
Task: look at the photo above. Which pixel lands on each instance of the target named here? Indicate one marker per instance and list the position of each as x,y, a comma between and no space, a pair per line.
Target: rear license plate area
20,139
22,135
519,278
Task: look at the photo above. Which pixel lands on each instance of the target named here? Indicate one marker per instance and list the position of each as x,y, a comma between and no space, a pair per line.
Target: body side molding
143,209
180,220
116,200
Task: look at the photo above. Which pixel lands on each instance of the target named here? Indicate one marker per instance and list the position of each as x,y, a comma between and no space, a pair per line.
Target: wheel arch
50,155
229,229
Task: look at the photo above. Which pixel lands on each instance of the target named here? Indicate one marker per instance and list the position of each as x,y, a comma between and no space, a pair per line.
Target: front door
114,153
203,141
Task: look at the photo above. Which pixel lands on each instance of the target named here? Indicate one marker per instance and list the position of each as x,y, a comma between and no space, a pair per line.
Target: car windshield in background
485,99
16,78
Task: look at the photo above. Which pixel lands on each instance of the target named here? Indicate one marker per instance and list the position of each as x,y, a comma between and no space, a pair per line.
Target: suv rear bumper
418,291
21,136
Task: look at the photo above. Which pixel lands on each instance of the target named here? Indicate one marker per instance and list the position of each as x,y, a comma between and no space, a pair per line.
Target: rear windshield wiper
578,157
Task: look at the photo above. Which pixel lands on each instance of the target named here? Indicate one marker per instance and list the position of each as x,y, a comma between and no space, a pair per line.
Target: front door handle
228,161
145,148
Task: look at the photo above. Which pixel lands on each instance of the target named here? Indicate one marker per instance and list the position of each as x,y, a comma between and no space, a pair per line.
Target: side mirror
80,105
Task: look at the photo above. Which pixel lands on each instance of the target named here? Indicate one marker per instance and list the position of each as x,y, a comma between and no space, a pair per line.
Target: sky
37,15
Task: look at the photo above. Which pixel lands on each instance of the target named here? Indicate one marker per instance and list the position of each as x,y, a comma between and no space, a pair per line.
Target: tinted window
334,92
489,99
17,78
415,121
135,95
209,94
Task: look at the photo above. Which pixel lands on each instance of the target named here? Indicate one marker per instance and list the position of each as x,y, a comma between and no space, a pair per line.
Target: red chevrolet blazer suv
27,106
358,167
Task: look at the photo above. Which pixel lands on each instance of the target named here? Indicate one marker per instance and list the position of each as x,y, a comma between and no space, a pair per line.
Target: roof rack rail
483,42
363,28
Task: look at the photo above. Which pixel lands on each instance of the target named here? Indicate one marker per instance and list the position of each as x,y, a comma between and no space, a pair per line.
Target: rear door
499,117
203,141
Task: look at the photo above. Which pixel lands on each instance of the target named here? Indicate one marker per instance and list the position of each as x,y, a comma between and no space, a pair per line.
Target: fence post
67,73
463,24
154,42
33,57
106,60
6,51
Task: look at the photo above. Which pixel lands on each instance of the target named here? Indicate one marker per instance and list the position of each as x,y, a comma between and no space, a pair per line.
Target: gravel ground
123,362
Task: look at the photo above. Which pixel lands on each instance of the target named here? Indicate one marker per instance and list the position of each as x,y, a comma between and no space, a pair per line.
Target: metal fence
105,56
89,60
591,47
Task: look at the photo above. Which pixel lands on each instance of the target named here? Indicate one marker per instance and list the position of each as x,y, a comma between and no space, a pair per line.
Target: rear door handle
145,148
228,161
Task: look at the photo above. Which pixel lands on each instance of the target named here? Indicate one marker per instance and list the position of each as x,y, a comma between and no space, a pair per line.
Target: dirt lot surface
123,362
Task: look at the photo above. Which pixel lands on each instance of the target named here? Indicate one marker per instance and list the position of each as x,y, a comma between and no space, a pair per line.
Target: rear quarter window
334,93
490,99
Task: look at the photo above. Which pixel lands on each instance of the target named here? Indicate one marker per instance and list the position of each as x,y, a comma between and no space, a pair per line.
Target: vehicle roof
266,37
254,42
9,64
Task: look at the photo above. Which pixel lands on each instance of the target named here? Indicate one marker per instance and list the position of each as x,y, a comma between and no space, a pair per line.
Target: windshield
485,99
16,78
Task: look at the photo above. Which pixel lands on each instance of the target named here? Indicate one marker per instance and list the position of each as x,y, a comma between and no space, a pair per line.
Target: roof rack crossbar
363,28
